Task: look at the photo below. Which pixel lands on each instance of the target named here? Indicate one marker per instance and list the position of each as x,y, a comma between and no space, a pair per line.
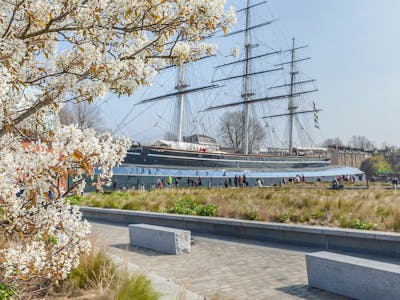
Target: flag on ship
316,123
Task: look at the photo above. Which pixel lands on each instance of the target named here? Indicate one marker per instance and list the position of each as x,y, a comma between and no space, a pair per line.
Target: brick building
347,156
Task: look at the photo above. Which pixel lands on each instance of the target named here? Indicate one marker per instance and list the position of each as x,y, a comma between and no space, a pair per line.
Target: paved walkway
220,268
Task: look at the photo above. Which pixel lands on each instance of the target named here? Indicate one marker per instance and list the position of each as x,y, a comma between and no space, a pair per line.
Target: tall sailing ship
200,151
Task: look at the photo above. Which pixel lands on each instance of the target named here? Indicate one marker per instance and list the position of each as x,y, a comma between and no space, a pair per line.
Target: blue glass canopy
331,171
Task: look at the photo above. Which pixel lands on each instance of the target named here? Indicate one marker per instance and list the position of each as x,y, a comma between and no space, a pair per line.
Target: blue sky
355,45
355,49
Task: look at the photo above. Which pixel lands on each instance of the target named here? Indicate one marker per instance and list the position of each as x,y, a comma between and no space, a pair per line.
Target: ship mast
180,86
181,90
246,94
291,106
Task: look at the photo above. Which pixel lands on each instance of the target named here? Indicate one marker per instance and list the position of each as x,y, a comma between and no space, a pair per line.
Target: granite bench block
353,277
159,238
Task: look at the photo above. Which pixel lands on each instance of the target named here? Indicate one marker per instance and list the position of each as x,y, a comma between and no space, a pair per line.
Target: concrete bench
352,276
159,238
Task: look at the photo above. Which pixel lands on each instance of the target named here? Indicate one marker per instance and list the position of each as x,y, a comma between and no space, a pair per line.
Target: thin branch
5,56
11,19
29,112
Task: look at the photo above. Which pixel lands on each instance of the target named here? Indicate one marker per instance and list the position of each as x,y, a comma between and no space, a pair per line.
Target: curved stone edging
362,241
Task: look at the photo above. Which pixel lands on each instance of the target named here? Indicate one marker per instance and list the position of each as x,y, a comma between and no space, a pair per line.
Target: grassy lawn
377,209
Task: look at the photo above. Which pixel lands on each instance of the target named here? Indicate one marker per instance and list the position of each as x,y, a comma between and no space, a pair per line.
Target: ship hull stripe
237,160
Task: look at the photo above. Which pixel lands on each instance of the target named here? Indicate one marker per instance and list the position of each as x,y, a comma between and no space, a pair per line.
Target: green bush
289,216
136,288
75,199
358,224
206,210
294,218
319,214
187,206
8,292
251,215
284,217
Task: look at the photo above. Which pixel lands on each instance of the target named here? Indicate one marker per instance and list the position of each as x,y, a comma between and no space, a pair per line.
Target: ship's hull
170,158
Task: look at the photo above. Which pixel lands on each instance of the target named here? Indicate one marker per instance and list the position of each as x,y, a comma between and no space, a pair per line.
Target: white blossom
54,51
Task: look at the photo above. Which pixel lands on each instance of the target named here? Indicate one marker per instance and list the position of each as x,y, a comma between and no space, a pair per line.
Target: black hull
169,158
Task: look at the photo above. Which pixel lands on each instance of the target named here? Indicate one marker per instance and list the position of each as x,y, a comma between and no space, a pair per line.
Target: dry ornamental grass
359,208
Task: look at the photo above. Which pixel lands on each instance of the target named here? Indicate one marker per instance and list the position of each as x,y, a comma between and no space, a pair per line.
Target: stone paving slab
220,268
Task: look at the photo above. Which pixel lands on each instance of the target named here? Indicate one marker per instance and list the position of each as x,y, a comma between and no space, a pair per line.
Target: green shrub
136,288
186,206
319,214
8,292
206,210
359,224
251,215
294,218
75,199
289,216
284,217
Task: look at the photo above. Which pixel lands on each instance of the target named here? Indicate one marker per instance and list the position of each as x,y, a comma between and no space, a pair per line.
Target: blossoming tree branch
58,51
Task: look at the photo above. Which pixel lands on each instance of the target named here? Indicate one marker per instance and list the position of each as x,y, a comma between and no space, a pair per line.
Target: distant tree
391,155
376,165
388,148
361,142
232,134
83,114
332,141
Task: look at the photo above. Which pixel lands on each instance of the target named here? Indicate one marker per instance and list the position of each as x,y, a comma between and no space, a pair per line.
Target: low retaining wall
353,277
160,238
386,244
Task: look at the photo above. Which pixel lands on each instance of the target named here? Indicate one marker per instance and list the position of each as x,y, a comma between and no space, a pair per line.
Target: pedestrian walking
395,182
169,181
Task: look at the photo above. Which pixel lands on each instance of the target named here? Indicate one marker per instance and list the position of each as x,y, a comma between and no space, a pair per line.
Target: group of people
170,182
347,178
239,181
337,183
298,178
